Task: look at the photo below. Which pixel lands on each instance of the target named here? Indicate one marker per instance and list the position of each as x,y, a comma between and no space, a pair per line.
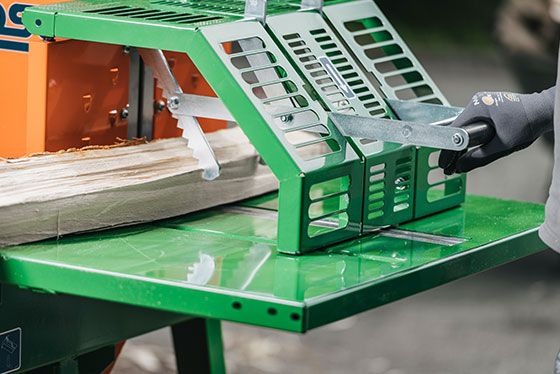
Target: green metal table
65,303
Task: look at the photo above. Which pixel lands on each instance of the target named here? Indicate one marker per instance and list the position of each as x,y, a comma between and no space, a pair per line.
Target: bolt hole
272,311
236,305
38,22
295,316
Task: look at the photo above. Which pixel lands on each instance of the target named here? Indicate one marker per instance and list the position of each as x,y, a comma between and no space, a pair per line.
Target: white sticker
10,351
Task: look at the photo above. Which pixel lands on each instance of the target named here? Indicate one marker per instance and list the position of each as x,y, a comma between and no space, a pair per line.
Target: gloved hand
518,120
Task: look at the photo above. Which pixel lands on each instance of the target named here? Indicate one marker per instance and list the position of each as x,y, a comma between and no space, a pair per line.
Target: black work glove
518,120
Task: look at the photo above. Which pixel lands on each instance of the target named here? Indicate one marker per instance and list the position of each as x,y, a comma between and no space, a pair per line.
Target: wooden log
52,195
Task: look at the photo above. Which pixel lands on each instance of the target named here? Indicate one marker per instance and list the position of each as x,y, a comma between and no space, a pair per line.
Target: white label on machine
336,77
10,351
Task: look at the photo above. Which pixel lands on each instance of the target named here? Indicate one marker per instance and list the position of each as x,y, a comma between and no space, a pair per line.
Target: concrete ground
502,321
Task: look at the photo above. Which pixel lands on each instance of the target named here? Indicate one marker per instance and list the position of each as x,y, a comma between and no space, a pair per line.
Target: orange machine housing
66,93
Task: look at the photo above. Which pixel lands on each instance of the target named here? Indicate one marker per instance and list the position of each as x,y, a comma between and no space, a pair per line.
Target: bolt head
458,139
173,103
160,106
286,118
125,49
124,113
406,131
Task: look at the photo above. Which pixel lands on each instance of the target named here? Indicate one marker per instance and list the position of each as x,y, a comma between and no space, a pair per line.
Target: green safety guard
279,80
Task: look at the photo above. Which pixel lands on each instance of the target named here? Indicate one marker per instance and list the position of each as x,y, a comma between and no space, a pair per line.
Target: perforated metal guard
270,100
382,52
309,40
277,92
230,7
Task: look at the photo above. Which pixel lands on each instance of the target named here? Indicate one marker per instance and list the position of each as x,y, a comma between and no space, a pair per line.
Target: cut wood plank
52,195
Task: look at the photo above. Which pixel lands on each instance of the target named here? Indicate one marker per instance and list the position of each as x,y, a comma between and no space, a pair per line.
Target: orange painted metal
69,93
87,89
15,137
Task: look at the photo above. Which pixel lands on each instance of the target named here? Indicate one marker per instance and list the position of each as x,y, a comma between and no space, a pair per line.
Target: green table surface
224,265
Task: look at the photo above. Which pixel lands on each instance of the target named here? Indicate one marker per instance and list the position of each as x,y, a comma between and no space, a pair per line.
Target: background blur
503,321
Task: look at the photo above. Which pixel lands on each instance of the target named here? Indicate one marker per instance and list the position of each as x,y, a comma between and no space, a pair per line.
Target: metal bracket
176,102
140,97
256,9
312,5
204,107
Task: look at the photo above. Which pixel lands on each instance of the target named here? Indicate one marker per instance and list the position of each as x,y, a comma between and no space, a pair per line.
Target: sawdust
118,144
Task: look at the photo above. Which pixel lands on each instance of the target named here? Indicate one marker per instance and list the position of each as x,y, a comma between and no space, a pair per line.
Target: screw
124,113
458,139
160,106
406,131
125,49
286,118
173,103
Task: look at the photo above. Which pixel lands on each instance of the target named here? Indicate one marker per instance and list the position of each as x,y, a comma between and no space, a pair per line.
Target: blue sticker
10,351
336,77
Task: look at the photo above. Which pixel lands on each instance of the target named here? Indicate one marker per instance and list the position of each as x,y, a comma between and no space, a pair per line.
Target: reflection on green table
207,262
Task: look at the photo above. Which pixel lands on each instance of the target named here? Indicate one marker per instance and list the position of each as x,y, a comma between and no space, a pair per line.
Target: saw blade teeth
200,147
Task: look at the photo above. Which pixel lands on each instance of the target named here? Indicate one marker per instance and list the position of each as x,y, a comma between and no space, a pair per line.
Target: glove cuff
539,108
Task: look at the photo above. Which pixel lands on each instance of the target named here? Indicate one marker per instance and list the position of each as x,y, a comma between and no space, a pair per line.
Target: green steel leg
198,346
90,363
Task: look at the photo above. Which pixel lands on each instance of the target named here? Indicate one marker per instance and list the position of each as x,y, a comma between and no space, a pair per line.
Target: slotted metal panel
166,16
276,91
309,41
230,7
381,50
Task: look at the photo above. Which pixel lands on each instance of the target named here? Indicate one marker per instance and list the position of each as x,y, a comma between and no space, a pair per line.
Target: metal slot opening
393,65
317,148
363,24
253,60
414,92
367,39
200,19
383,51
328,205
297,119
105,10
295,137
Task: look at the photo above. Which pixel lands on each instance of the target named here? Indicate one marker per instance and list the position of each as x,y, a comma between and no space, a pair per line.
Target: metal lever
402,132
176,100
